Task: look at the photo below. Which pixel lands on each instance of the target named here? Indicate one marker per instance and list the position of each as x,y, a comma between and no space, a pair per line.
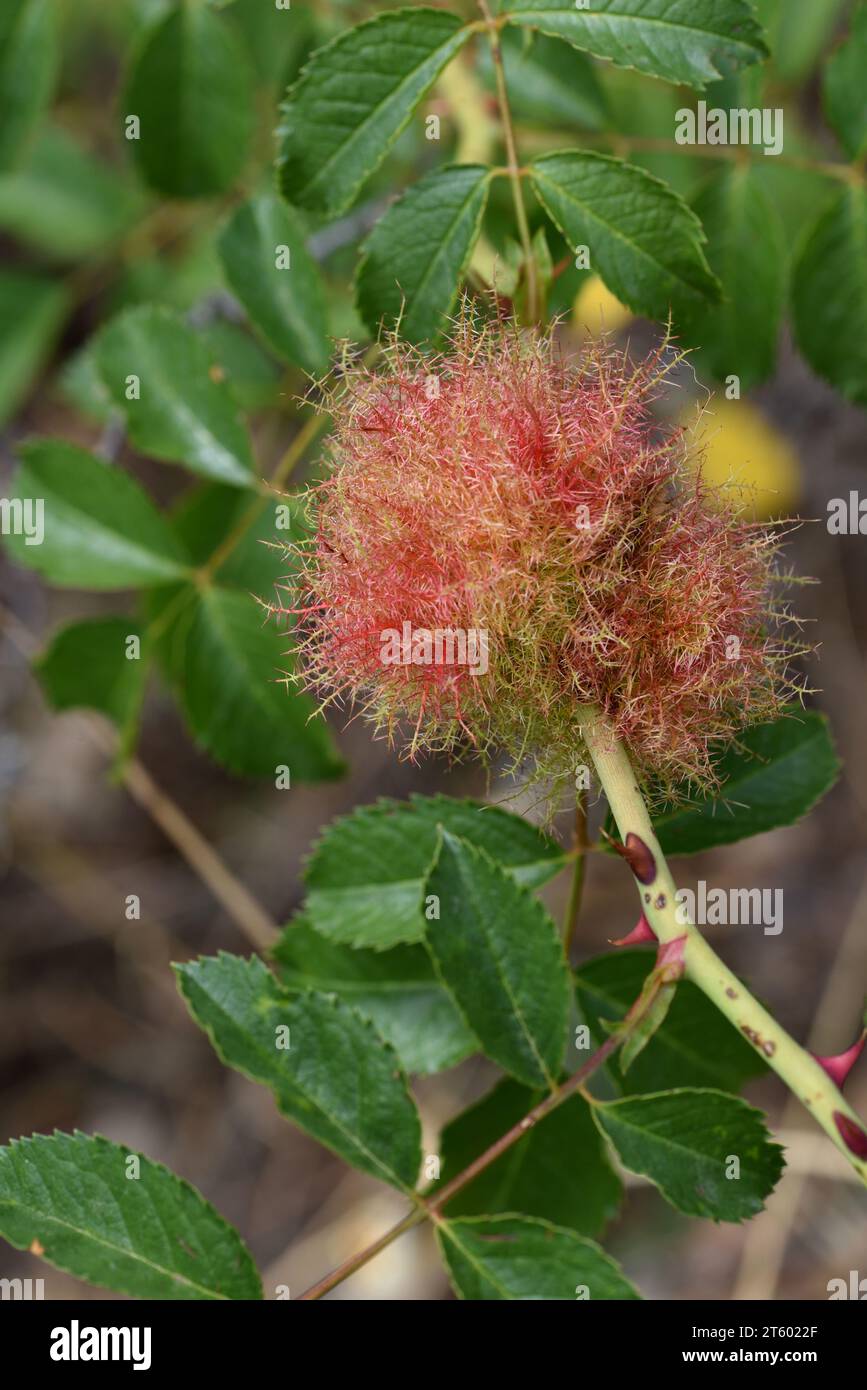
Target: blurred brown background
94,1035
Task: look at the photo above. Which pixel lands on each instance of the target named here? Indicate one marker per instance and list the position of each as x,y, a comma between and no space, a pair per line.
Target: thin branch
533,302
257,925
357,1262
430,1209
229,891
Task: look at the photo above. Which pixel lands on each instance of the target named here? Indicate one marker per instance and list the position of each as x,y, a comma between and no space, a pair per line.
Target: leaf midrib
393,1177
447,1228
160,563
517,1011
652,1135
439,255
35,1214
360,131
610,229
620,17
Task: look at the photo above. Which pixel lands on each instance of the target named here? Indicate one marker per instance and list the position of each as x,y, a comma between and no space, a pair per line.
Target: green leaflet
501,957
192,92
843,87
119,1220
336,1078
831,327
353,99
31,312
707,1152
799,34
506,1257
397,990
278,40
86,666
29,58
366,874
772,776
225,658
253,376
158,372
64,200
418,252
643,239
746,250
101,530
689,41
268,266
230,666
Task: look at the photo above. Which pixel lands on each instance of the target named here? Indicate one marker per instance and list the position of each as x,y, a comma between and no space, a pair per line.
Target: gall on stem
525,503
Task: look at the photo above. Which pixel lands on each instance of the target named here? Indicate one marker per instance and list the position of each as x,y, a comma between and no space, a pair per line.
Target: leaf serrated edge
284,129
537,908
445,1227
775,1151
385,804
553,857
428,180
251,963
692,224
100,1140
758,46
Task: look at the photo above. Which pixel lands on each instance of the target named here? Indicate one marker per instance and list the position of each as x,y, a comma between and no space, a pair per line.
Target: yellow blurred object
596,311
469,107
488,264
743,449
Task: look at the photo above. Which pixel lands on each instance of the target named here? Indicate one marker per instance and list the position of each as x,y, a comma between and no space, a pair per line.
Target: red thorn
839,1067
641,932
671,952
852,1135
639,857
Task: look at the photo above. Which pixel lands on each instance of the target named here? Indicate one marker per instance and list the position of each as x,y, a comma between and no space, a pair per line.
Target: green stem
307,435
804,1076
576,891
308,432
514,167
